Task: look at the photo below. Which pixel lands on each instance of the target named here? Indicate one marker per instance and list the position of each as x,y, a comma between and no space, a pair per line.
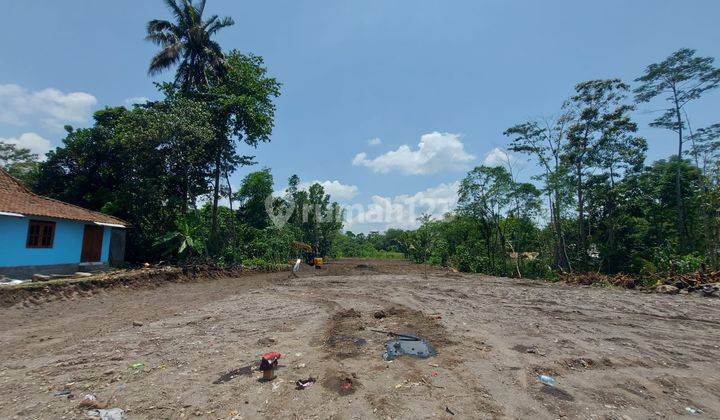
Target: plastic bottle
547,380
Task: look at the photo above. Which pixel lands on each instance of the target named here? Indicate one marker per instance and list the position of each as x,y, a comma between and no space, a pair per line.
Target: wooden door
92,244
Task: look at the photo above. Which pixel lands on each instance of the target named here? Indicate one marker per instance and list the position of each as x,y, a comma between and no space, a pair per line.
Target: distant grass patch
378,255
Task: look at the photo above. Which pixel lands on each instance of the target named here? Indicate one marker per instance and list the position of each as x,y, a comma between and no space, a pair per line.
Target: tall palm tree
187,42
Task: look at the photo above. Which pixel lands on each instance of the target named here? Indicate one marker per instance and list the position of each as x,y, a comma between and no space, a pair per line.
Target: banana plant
185,241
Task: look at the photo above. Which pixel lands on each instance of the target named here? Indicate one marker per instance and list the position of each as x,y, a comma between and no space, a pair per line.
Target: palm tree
187,42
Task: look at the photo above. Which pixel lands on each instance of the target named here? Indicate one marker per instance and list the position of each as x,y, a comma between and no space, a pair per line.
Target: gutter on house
6,213
110,225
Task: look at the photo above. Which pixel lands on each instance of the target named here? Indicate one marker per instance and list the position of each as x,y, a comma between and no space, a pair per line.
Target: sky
386,103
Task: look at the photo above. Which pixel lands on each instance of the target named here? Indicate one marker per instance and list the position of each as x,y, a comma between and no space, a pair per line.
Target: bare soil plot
613,352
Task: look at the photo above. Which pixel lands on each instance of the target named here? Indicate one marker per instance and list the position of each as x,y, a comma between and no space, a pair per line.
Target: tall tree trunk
694,147
706,206
581,217
611,227
216,193
716,240
553,223
504,242
185,194
562,257
678,177
488,248
563,241
232,216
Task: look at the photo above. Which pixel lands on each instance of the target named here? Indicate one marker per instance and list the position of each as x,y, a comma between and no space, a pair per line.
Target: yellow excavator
305,251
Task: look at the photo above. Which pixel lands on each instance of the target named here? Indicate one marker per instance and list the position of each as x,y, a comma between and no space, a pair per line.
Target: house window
40,234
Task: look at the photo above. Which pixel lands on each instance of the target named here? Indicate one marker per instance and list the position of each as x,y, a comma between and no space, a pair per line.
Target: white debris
107,414
11,282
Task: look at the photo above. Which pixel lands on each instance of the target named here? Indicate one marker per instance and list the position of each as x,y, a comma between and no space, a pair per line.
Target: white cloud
336,189
50,106
499,157
402,211
496,157
374,141
436,152
31,141
136,100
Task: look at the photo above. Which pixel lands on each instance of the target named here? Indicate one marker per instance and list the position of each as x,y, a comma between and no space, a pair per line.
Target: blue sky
451,74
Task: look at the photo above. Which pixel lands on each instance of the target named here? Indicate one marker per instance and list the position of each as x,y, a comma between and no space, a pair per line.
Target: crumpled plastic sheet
409,345
109,414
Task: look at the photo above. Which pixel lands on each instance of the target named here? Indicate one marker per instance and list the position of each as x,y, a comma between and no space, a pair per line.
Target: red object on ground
268,362
346,385
271,356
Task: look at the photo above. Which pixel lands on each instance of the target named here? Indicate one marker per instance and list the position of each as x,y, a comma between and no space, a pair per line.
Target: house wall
117,246
66,249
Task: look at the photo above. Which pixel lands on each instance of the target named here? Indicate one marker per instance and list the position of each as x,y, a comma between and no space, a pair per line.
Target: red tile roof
16,198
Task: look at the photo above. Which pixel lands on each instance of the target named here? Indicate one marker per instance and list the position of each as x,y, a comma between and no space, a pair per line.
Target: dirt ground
615,354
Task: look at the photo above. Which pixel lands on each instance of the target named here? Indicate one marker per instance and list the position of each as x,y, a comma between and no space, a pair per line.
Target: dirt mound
343,336
341,383
349,331
593,278
359,266
36,293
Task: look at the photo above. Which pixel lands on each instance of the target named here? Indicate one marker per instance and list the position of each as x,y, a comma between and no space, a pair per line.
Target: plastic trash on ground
90,401
547,380
409,345
693,410
107,414
304,383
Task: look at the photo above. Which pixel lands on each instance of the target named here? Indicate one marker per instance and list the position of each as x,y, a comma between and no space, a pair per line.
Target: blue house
39,235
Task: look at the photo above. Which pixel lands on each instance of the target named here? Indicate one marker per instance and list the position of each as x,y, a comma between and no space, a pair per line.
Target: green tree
423,241
298,198
486,194
145,165
187,42
18,162
601,125
526,202
545,141
243,110
706,150
322,220
649,198
679,79
706,147
315,219
88,165
255,188
180,128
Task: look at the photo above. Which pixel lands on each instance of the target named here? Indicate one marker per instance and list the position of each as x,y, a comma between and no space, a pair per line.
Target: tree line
595,205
